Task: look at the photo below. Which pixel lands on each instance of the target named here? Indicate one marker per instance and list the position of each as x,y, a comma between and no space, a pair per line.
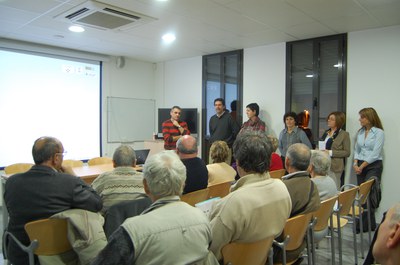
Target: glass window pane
329,71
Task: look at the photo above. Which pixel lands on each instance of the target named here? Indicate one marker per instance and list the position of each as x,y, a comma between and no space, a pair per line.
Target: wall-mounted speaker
120,62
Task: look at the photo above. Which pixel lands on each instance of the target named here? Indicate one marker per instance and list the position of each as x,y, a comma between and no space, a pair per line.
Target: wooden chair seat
17,168
220,189
277,174
51,235
196,196
99,161
254,253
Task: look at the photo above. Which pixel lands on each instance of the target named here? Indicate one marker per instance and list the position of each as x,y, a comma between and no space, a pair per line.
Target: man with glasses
46,189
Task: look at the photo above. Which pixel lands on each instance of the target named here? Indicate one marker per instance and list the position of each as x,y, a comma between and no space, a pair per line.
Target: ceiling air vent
105,17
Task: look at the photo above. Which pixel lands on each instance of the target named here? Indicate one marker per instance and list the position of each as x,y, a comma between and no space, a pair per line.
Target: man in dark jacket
46,189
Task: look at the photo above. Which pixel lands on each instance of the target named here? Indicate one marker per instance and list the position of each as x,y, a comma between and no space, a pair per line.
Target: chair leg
332,240
339,239
361,227
369,221
308,242
271,256
354,237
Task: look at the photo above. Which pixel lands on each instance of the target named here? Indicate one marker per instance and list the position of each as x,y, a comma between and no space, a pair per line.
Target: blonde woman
220,171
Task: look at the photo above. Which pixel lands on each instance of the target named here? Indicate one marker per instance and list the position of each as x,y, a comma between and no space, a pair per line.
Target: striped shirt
169,130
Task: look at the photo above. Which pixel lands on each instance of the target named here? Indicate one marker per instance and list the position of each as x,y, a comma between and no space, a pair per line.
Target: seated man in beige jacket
258,205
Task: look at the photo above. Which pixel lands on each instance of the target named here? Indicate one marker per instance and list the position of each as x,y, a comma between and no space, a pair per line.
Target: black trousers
372,170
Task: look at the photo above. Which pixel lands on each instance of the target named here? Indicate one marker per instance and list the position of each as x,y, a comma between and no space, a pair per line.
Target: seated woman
220,171
319,170
276,161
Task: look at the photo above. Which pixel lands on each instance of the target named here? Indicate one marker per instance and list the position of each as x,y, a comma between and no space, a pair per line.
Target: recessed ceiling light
168,38
76,28
309,75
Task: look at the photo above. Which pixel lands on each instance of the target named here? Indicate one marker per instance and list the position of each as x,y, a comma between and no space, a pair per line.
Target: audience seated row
140,229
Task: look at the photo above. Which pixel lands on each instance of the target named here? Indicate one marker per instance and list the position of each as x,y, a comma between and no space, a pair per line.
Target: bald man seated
196,169
386,249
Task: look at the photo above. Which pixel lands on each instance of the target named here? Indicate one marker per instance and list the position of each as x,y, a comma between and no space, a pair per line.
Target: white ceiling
201,26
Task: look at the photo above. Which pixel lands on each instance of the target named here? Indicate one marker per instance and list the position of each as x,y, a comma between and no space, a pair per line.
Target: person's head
297,158
252,110
336,120
274,142
320,163
234,105
386,249
124,156
49,151
186,147
252,151
290,119
175,113
219,151
164,175
219,105
369,118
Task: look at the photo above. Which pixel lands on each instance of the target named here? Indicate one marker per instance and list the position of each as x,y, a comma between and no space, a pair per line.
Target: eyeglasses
63,153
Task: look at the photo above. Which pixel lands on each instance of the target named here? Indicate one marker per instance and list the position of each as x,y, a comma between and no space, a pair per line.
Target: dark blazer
38,194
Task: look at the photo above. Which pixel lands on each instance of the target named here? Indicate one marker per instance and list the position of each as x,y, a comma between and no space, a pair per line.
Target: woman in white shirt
368,149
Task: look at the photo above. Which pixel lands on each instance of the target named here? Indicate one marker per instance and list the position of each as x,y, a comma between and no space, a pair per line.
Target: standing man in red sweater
174,128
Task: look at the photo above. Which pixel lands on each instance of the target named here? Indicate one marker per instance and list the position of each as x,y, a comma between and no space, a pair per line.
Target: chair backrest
346,199
51,235
196,196
296,228
364,190
323,213
72,163
254,253
219,190
277,174
118,213
17,168
99,161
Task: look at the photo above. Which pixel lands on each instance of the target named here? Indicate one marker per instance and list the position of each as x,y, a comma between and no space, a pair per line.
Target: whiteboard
130,119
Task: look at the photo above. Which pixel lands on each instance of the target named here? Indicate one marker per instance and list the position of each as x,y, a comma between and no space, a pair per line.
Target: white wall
135,80
373,81
179,83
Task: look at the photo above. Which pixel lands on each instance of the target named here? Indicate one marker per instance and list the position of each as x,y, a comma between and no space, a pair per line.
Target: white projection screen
46,95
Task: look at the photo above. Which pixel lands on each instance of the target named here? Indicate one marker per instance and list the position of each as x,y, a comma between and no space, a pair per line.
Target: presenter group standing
222,126
291,134
174,128
254,123
368,150
336,141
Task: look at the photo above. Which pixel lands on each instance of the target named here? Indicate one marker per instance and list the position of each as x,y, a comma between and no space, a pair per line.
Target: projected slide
48,96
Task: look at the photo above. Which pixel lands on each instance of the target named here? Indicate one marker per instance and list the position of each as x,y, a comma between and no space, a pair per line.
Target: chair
293,233
320,226
118,213
254,253
51,235
17,168
99,161
220,189
72,163
360,201
277,174
30,249
346,200
196,196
